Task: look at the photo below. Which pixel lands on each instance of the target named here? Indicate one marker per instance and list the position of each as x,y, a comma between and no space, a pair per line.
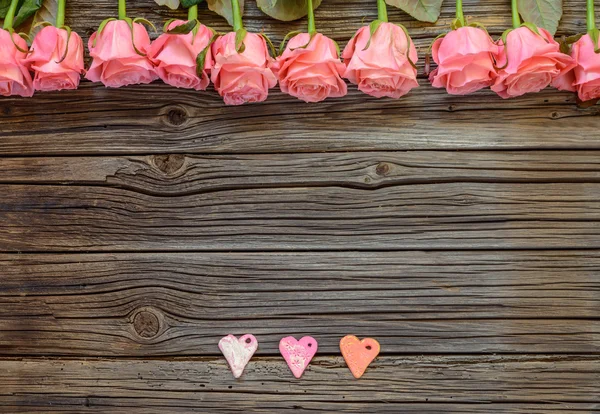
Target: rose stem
459,12
60,14
591,17
237,15
10,15
193,12
122,10
382,11
311,17
516,20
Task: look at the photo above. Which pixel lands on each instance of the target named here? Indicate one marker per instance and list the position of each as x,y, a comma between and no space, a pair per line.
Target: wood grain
179,174
422,216
156,118
169,220
421,384
412,302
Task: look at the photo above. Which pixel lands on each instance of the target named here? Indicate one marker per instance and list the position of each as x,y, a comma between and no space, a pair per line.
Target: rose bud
381,64
56,65
310,68
529,62
242,74
587,71
174,56
465,59
118,57
14,75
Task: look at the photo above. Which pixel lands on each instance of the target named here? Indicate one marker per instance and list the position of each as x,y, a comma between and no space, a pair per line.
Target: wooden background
140,225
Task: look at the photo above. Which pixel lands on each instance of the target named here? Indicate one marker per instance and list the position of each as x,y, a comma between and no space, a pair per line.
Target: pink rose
116,62
384,68
174,56
534,62
14,75
242,77
587,71
53,69
310,69
465,59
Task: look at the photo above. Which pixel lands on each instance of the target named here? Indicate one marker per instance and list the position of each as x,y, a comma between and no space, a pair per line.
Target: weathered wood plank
335,18
423,216
156,118
184,174
544,384
413,302
32,404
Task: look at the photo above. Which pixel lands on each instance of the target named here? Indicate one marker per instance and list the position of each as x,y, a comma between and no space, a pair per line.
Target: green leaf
542,13
223,8
240,35
64,56
372,29
286,38
186,4
183,28
531,27
201,58
141,20
595,35
26,10
12,31
424,10
4,6
101,28
47,13
285,10
268,41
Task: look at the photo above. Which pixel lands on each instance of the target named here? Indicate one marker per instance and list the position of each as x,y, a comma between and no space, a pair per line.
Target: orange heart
358,354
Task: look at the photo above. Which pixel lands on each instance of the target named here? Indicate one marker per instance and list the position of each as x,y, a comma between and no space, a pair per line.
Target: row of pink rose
380,59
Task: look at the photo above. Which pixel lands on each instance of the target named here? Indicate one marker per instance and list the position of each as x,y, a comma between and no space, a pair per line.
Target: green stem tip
122,9
382,11
10,15
591,16
311,17
193,13
516,20
237,15
60,14
459,12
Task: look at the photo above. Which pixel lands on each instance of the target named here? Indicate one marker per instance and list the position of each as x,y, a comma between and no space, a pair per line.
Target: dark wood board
144,223
399,200
421,216
430,384
161,119
181,304
179,174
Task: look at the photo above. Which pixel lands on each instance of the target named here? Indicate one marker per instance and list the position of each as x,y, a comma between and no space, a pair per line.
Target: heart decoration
359,354
238,352
298,354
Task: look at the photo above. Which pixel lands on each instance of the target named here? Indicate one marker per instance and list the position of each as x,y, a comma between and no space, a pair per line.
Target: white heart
238,351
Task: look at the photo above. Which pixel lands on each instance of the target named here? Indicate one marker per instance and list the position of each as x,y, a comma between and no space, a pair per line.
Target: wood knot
383,169
146,323
554,115
176,116
169,164
6,110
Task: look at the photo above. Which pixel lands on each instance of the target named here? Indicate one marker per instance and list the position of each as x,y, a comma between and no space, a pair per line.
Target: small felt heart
298,354
238,351
358,354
